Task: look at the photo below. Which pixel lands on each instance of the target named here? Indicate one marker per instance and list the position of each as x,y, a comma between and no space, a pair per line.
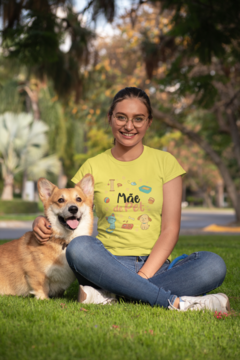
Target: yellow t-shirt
128,198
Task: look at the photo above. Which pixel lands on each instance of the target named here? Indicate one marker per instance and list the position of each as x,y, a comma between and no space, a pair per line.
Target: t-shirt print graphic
130,202
128,198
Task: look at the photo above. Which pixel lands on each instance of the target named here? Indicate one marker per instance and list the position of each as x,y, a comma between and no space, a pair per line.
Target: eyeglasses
137,121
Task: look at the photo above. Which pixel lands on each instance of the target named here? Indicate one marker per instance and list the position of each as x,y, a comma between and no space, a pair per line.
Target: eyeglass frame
114,116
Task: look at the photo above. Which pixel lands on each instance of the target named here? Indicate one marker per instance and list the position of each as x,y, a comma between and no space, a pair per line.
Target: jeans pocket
193,256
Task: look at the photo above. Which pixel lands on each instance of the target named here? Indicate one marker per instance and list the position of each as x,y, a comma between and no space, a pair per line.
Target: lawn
19,217
63,329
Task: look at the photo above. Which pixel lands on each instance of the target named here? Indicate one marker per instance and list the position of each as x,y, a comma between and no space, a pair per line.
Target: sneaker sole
228,303
81,294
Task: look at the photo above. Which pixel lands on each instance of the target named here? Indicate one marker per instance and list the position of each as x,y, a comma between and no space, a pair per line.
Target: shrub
18,207
192,200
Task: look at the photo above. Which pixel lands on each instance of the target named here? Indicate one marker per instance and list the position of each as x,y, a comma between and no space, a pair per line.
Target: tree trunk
62,179
184,191
24,185
207,199
216,159
220,194
235,135
33,96
7,193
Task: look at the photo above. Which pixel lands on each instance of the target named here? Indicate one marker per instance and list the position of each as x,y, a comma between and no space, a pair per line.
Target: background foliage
185,54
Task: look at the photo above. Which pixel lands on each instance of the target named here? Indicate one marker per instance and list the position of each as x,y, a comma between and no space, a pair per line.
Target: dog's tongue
72,223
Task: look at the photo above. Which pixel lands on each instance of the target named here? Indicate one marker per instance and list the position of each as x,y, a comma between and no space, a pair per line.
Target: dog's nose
73,209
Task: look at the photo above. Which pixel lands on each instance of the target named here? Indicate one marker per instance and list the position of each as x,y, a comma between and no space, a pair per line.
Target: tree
188,73
191,55
204,70
23,146
189,51
33,33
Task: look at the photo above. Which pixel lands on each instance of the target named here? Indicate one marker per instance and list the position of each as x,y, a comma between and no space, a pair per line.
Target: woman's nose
129,125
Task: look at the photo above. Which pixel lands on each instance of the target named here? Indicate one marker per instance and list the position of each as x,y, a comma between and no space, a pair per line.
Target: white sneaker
89,295
213,302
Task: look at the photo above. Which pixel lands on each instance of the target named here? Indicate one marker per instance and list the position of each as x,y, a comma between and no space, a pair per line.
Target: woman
138,193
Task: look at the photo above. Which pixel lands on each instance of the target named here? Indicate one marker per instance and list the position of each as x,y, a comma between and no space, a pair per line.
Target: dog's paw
39,295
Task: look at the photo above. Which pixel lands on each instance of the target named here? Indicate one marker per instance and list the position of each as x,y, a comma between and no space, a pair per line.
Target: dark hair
130,93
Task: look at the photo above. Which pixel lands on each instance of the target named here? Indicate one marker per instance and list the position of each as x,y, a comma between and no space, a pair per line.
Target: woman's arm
171,217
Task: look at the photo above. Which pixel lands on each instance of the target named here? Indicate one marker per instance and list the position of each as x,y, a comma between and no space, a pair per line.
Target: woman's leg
198,274
87,256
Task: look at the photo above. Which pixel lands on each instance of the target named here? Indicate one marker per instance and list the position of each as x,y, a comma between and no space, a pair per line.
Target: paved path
192,223
196,220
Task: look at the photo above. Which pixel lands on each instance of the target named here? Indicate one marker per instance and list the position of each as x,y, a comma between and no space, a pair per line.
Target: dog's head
144,218
67,208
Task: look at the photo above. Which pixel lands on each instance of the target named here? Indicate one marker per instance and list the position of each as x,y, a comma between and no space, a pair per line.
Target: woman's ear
149,123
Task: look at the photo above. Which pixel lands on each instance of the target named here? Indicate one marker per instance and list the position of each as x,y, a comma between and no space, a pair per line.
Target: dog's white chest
60,275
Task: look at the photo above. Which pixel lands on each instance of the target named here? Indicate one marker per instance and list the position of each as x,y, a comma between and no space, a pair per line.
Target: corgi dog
27,267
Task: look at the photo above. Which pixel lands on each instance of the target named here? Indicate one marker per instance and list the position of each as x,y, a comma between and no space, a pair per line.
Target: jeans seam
115,257
101,244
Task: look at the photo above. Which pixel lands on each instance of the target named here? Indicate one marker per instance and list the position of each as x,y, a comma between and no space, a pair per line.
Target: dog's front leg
39,286
39,295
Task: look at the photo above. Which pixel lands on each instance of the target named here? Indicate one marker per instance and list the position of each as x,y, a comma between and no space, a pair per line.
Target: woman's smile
127,135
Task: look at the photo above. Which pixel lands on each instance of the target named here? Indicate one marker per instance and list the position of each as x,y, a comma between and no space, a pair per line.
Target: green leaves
23,145
209,25
36,41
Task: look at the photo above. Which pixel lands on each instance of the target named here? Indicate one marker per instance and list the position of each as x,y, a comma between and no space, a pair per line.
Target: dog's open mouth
71,222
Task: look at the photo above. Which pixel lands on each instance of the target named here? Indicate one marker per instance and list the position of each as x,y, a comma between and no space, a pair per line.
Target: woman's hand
140,273
42,230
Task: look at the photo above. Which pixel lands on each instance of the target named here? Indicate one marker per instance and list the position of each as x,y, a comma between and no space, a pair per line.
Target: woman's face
127,134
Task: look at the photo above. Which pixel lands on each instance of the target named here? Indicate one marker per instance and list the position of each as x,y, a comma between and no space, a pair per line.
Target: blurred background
61,63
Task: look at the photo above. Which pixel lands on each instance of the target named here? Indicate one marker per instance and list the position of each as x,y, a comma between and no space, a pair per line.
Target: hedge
18,207
194,200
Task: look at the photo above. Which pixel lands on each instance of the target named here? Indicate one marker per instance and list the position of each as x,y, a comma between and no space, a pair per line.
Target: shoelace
199,302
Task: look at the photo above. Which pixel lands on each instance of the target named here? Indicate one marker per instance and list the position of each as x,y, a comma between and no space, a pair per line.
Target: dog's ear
139,217
45,189
87,185
149,219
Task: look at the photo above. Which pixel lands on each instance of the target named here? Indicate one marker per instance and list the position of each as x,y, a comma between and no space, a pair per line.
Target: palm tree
23,146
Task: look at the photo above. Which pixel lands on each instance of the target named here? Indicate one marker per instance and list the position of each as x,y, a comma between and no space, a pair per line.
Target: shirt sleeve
86,168
172,168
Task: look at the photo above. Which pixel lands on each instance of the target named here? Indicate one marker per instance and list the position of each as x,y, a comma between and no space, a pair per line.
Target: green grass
61,329
19,217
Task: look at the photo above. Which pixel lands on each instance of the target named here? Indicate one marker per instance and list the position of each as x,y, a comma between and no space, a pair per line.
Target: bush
192,200
18,207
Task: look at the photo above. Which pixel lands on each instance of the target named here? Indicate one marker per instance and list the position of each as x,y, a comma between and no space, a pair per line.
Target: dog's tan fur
29,268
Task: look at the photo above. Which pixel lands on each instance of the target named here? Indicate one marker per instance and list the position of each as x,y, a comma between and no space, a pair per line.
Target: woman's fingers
42,233
42,229
40,241
46,223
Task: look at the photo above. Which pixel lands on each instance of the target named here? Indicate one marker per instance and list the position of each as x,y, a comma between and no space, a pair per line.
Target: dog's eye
79,199
61,200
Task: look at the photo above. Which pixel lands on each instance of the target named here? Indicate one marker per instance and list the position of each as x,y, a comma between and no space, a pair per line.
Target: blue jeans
95,266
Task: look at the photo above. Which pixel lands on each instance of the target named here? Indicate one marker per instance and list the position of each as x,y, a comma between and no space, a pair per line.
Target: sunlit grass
64,329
